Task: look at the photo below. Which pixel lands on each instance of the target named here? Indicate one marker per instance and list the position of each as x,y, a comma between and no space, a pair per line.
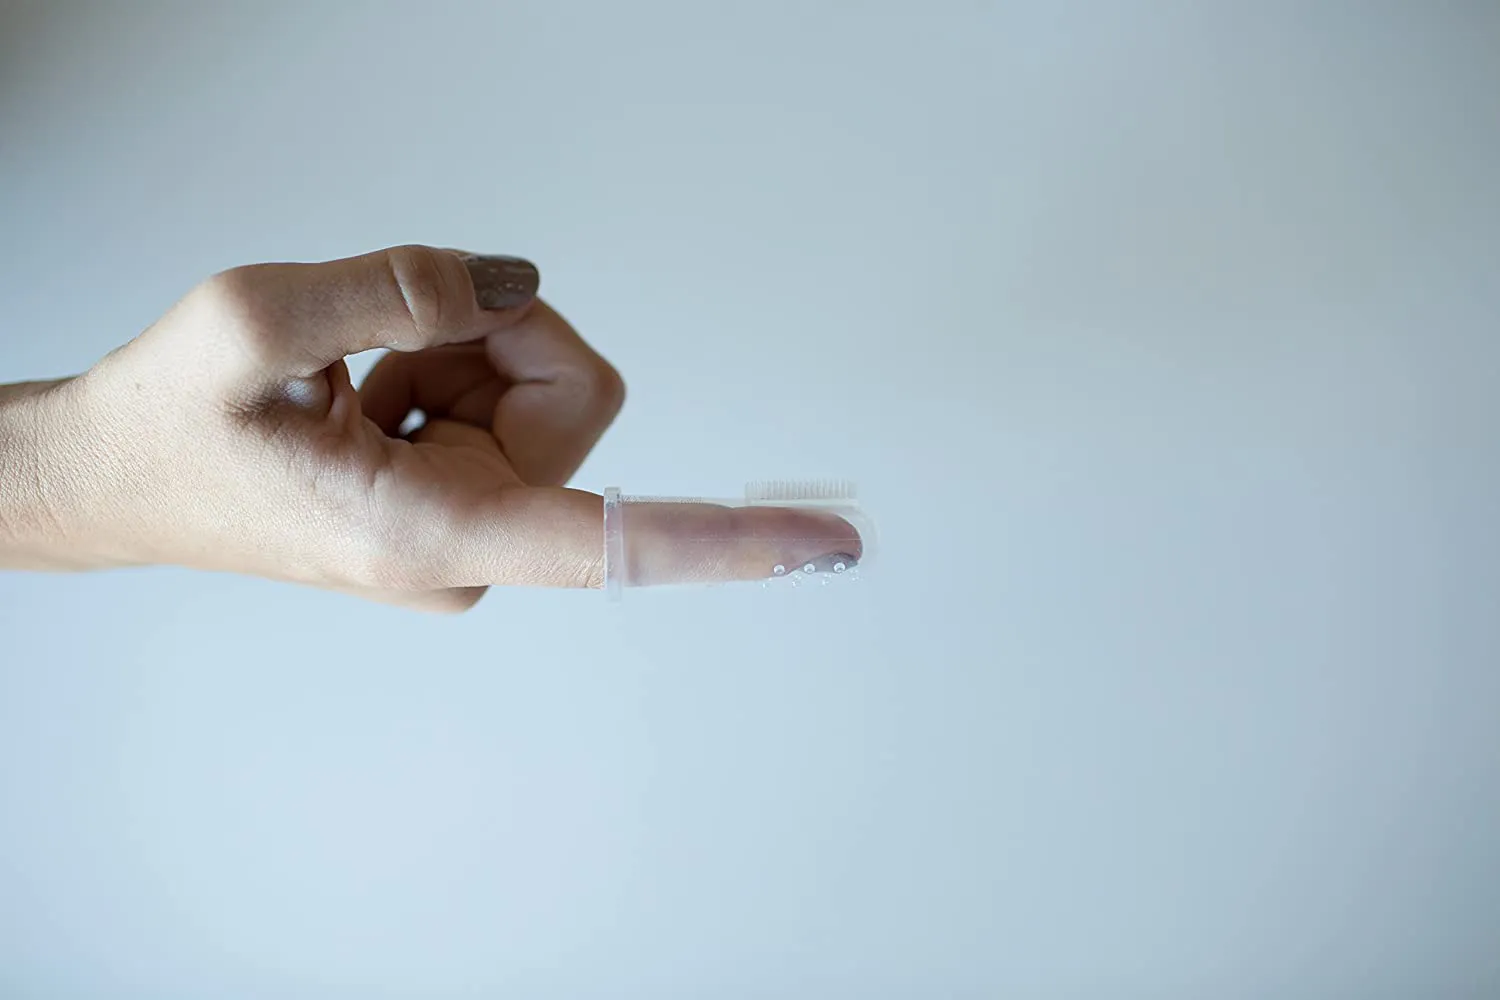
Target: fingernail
833,562
502,282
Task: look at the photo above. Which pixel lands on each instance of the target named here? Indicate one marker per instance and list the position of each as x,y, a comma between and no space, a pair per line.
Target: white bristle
794,490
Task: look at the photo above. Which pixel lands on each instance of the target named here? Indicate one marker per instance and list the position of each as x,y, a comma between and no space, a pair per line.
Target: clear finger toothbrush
779,530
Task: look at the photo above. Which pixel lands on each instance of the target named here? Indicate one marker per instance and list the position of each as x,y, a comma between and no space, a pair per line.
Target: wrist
43,475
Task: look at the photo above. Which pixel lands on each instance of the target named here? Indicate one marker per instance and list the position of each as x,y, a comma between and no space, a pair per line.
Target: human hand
229,436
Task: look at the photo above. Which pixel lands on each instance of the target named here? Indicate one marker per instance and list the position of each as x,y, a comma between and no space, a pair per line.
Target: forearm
40,480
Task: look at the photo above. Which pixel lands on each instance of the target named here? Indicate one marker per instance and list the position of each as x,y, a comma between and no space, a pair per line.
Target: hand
229,437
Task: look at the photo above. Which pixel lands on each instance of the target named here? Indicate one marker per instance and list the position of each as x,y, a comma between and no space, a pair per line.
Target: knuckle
230,293
425,279
236,301
606,388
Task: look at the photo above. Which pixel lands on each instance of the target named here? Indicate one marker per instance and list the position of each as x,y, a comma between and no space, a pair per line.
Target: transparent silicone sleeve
776,530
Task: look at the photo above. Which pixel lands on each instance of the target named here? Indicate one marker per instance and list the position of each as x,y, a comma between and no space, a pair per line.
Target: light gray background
1161,338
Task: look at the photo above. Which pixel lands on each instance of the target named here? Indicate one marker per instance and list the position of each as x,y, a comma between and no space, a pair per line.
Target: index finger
555,537
666,542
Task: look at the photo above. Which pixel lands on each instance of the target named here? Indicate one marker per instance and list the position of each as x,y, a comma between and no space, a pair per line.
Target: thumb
297,319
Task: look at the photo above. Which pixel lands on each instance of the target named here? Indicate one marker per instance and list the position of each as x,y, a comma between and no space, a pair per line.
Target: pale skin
228,436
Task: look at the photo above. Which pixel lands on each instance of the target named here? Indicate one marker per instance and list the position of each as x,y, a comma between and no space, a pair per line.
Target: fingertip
670,543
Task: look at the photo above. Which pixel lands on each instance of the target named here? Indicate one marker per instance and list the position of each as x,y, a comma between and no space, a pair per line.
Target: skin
228,436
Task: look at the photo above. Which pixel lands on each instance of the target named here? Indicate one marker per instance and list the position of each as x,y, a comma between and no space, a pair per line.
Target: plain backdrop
1161,338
